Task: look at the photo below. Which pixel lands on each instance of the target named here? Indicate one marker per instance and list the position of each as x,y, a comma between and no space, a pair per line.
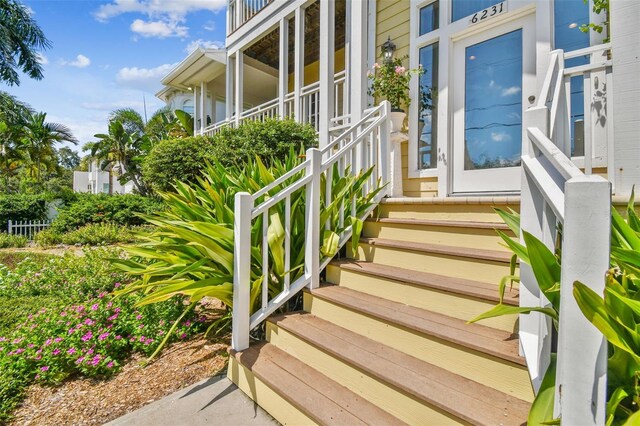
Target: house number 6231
489,12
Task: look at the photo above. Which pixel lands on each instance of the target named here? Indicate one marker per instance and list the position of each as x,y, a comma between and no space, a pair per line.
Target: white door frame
498,180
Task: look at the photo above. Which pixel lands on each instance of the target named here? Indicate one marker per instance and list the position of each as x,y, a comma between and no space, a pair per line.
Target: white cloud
159,29
43,60
500,137
143,78
209,26
511,91
81,61
204,44
175,9
110,106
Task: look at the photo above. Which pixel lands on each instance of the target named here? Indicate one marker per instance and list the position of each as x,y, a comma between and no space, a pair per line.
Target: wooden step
459,262
447,208
319,398
456,297
470,234
483,354
393,379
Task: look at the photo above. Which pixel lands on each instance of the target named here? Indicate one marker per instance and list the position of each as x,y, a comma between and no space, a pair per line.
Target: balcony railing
309,107
240,11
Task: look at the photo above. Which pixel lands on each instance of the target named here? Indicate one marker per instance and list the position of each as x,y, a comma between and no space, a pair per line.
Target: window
429,18
427,108
569,15
187,106
463,8
105,188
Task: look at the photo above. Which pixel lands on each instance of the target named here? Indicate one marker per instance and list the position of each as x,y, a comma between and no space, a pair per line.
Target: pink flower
18,351
63,314
45,368
376,65
400,70
138,317
103,336
87,336
71,351
183,336
110,364
55,352
58,339
94,307
118,337
187,323
89,321
96,359
101,295
48,342
142,338
112,317
79,360
109,305
116,285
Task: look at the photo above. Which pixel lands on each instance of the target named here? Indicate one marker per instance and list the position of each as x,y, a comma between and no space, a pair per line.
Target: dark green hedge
22,207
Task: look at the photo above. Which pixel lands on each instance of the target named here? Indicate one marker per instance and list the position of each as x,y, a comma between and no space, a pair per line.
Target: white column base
396,163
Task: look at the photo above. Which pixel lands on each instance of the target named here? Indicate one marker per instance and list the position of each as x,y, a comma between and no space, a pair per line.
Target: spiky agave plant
190,253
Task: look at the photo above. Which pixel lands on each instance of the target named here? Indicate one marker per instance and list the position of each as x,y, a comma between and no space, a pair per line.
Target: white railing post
241,271
581,376
9,227
312,219
385,145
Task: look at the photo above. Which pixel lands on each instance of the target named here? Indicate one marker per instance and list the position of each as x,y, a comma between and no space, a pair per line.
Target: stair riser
394,401
477,212
453,266
278,407
453,305
493,372
445,235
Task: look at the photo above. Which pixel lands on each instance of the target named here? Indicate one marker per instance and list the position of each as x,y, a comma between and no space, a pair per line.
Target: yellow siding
312,72
416,187
392,19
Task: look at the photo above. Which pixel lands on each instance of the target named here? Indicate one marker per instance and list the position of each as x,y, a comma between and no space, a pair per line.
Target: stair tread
461,286
484,254
442,222
491,341
462,397
322,399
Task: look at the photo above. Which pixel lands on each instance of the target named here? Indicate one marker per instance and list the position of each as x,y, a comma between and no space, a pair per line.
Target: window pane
463,8
569,15
429,18
493,103
427,108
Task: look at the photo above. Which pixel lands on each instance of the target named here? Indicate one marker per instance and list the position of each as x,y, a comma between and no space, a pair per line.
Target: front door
494,75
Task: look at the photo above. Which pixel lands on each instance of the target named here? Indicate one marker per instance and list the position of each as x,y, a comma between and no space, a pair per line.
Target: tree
131,120
40,138
121,150
68,159
20,41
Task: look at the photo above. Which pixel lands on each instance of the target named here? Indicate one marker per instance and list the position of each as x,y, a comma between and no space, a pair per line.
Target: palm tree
39,140
121,150
131,120
20,40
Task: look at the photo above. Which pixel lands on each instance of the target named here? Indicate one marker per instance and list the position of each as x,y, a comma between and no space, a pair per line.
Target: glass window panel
463,8
427,108
569,15
493,103
429,18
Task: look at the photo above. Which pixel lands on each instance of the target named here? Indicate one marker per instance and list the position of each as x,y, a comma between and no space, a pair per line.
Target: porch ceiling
267,49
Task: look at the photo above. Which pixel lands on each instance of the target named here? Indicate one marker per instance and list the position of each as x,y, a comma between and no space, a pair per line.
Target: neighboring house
97,181
197,86
514,122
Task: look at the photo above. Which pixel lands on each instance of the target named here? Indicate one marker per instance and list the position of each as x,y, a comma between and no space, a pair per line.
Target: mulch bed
94,402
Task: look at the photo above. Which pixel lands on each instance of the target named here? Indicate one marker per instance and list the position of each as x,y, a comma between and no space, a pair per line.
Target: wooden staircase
385,339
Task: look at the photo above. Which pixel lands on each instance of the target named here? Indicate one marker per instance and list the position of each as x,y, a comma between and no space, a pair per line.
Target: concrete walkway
215,401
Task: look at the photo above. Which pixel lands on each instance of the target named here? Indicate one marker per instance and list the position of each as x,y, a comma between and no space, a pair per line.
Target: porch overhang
201,65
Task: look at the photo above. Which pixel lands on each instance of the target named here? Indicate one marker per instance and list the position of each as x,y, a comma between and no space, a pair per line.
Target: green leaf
511,219
275,238
615,399
330,244
633,420
356,231
515,246
500,310
545,267
627,235
541,411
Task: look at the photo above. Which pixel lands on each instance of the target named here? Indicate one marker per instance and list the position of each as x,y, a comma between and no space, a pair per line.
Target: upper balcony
240,11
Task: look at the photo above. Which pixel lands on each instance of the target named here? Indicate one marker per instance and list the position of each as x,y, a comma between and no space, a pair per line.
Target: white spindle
312,218
241,271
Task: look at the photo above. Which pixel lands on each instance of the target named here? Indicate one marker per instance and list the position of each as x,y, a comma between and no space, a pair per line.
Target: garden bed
91,401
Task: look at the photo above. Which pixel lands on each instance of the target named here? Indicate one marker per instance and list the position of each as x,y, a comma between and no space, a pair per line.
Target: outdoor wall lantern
388,47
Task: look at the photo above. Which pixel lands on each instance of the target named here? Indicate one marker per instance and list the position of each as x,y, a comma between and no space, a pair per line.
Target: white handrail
556,192
373,146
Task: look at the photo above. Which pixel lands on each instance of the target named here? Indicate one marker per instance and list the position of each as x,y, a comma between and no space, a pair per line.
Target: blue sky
108,54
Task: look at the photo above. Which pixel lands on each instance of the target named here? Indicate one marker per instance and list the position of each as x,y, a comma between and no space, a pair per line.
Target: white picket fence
27,228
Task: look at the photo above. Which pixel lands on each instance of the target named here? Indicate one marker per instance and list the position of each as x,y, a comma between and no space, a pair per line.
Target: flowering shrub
82,329
390,81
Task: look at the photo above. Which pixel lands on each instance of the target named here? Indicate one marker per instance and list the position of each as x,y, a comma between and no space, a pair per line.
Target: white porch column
229,88
357,68
239,85
284,65
327,70
203,98
625,96
195,107
298,72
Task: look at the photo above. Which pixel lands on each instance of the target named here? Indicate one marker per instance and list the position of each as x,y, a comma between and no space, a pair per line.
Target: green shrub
271,139
94,234
12,241
102,208
11,259
22,207
176,159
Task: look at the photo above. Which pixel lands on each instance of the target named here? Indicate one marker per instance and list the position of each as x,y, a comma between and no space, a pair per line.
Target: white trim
326,69
298,76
